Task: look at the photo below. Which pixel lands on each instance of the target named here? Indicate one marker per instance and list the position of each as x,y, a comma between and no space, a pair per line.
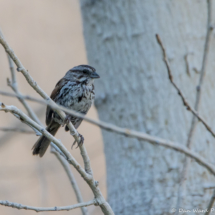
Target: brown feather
40,147
55,92
74,91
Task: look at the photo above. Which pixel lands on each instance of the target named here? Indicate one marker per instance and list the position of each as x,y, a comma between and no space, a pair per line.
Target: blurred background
134,92
47,37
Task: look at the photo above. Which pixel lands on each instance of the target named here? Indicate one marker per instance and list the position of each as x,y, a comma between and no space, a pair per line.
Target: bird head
82,73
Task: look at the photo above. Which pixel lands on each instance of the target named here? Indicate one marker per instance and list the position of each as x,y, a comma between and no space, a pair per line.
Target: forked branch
41,209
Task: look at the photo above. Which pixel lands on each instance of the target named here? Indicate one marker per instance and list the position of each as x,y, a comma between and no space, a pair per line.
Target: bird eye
85,71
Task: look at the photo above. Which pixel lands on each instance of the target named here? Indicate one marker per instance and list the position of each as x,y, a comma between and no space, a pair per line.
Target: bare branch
13,85
210,205
20,130
186,104
34,85
197,101
202,72
23,117
40,209
71,178
109,127
6,136
88,177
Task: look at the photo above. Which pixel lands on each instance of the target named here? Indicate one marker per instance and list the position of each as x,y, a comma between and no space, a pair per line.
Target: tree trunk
134,92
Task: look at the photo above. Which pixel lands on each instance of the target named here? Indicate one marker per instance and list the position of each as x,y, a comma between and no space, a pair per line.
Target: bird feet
67,120
80,143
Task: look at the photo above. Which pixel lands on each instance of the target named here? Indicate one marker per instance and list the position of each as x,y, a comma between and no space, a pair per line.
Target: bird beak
94,75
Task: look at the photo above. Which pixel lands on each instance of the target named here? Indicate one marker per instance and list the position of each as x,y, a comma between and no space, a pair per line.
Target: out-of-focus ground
47,37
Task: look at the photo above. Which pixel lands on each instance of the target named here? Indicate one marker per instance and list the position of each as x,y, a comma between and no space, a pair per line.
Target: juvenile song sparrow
74,91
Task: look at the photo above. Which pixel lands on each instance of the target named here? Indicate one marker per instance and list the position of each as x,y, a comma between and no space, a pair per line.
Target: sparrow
74,91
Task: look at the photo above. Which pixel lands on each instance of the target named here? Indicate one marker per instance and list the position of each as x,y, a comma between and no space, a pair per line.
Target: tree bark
134,92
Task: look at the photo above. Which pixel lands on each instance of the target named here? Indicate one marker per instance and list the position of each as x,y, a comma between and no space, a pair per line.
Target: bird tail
40,147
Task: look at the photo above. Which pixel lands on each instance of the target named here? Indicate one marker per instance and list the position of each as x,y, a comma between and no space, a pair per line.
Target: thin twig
210,205
202,72
20,130
33,84
13,84
42,93
71,178
197,101
40,209
105,207
6,136
186,104
86,176
198,96
54,106
139,135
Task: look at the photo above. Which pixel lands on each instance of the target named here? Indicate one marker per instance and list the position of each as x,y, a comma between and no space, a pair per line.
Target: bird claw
67,120
80,143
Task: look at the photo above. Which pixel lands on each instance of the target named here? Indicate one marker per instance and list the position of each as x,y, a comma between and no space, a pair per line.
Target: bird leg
80,143
67,120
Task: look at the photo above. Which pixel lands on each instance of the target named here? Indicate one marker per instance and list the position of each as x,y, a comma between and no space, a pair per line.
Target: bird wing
53,96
